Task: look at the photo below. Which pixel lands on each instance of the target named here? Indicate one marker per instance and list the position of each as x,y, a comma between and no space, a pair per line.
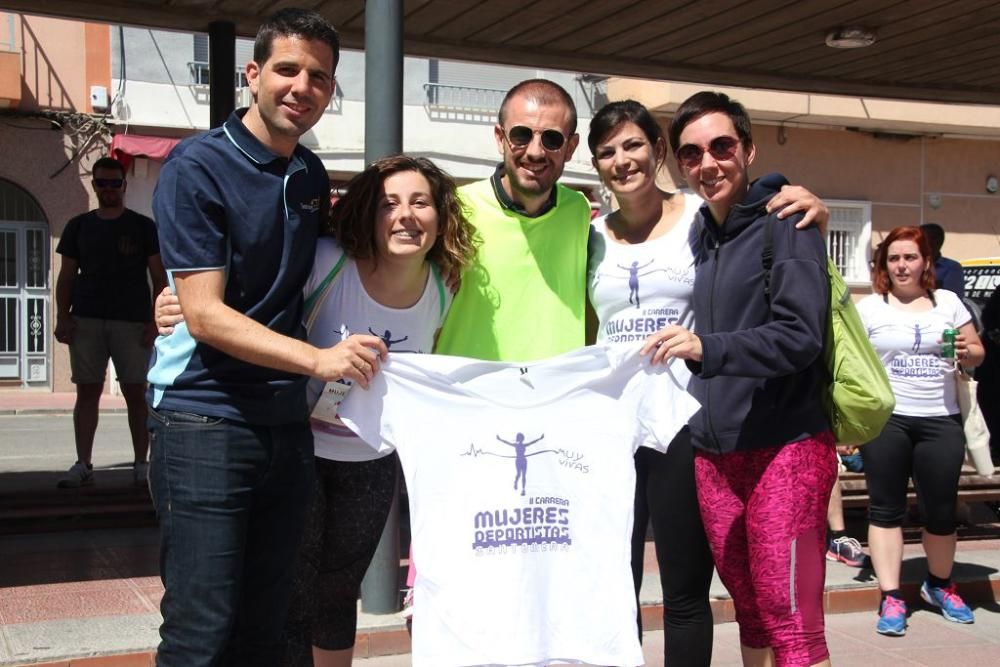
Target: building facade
879,164
76,91
49,136
71,92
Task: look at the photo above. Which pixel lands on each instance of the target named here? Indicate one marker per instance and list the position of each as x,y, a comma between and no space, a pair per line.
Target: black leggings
345,524
665,492
931,449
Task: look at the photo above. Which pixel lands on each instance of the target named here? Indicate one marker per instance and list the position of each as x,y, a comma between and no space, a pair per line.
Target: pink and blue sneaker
892,617
947,600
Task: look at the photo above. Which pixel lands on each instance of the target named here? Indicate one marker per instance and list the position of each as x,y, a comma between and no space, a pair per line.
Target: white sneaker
80,474
140,474
408,604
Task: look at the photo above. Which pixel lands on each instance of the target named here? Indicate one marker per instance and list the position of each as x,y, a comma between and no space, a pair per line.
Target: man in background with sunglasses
523,297
104,310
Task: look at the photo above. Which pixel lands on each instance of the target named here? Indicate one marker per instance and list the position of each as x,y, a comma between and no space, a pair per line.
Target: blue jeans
852,462
232,499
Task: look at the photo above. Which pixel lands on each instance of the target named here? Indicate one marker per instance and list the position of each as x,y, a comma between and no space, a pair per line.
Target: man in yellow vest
523,297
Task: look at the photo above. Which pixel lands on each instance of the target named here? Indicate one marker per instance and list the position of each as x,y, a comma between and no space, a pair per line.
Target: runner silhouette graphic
520,458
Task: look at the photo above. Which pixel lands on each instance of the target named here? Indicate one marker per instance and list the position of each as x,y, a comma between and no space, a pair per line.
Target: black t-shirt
113,257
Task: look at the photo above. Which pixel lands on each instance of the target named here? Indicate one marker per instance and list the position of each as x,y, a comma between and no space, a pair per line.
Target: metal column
222,71
383,78
383,136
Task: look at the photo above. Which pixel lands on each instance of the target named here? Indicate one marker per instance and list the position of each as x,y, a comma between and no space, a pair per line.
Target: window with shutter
848,238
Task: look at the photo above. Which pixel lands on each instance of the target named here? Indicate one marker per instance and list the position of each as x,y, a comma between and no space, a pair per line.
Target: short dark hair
295,22
613,114
543,92
109,163
706,102
352,219
935,236
881,282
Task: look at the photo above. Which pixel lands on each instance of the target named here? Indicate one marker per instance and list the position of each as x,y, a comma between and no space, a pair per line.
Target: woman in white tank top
378,272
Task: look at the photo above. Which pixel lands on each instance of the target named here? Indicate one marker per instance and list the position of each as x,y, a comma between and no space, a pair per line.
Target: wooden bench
972,488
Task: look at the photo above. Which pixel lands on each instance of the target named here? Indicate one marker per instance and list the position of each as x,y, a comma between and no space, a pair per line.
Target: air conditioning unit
99,99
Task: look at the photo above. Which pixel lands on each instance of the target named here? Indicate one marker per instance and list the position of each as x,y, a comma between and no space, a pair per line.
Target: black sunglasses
520,136
108,182
721,148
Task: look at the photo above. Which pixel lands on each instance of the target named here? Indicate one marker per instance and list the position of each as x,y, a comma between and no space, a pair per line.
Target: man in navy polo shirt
238,210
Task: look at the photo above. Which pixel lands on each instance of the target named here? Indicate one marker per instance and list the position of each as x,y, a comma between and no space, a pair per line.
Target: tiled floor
97,593
851,638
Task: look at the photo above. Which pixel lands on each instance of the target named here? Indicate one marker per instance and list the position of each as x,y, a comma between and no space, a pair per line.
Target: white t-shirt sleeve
656,401
368,414
959,314
866,309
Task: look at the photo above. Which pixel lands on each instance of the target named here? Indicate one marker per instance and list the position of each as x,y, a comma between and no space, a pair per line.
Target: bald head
543,93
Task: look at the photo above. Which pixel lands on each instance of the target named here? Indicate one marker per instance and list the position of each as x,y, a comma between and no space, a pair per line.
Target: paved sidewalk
23,402
95,594
930,640
89,598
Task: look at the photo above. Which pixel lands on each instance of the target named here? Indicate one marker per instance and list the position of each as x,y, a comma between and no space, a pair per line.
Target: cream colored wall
62,60
54,76
10,78
900,178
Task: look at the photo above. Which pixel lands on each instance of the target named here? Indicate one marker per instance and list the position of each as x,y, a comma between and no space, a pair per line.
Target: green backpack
859,399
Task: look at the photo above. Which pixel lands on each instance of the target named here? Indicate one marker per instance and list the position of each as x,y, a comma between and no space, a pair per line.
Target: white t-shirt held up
521,484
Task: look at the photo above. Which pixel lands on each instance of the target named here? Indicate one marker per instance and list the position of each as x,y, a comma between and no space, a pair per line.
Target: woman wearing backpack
764,455
905,319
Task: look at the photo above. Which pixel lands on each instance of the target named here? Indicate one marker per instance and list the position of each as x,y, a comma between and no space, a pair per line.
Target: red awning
127,147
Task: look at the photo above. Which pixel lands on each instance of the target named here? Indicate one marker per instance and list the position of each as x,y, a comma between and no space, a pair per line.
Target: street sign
982,276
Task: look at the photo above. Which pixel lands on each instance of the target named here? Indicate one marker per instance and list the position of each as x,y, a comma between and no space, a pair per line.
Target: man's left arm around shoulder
209,320
158,278
797,199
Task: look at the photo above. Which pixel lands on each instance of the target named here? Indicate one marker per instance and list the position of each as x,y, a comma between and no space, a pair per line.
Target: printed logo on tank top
387,338
324,417
923,361
634,329
640,322
632,273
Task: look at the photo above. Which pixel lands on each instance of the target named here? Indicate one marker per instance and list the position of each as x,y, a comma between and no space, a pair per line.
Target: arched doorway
24,289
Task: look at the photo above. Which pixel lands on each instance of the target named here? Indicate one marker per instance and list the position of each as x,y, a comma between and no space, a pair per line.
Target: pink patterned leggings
764,512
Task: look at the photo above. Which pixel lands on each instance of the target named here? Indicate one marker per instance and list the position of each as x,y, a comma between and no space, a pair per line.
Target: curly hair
352,218
881,282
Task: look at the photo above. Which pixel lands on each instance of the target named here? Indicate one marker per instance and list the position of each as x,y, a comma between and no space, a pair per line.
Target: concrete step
48,509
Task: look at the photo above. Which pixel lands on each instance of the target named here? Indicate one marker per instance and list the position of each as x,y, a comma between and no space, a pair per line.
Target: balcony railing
200,74
462,103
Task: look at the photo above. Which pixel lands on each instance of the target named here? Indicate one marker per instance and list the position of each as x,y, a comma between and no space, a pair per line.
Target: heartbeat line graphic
476,452
567,458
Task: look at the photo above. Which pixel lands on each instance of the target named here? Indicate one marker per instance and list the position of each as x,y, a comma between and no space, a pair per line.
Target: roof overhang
929,50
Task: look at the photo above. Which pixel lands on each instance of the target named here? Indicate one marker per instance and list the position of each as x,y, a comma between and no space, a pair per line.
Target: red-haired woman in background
905,319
